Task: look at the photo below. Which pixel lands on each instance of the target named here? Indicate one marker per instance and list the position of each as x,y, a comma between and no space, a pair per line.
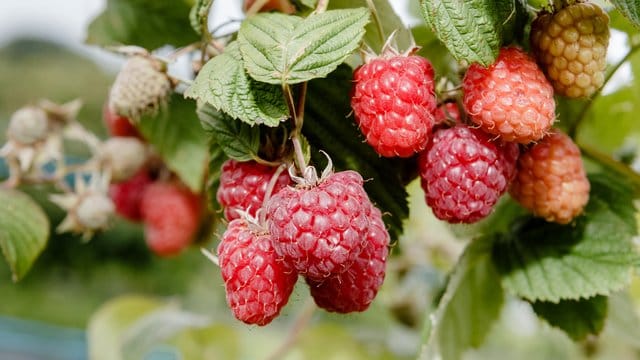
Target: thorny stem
303,319
612,164
270,187
376,20
297,126
573,130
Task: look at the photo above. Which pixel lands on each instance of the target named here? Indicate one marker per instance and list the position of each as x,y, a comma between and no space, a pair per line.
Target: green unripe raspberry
571,47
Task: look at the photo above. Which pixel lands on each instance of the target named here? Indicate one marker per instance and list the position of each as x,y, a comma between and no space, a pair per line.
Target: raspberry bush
294,143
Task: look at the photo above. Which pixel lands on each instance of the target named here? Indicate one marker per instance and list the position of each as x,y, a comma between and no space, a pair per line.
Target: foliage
278,91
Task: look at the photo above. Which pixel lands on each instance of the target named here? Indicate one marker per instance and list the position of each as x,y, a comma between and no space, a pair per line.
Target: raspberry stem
297,115
271,186
575,126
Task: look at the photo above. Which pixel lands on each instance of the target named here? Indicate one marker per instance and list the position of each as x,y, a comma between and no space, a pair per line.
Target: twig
300,323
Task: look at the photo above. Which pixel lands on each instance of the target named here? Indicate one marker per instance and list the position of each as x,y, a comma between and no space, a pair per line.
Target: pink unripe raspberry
127,195
171,215
243,186
320,229
355,289
393,100
464,172
257,282
511,98
551,180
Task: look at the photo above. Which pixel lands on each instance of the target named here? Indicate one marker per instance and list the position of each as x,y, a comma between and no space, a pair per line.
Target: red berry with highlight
393,100
320,229
171,214
127,195
243,186
511,98
355,289
551,180
257,282
464,172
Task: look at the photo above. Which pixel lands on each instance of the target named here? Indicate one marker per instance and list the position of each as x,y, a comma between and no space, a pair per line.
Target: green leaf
469,306
329,126
623,322
471,30
24,231
217,157
224,84
550,262
238,140
179,139
630,9
147,23
199,15
577,318
389,19
108,324
286,49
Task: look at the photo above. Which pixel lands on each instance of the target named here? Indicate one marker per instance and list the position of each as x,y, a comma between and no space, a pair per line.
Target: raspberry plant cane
286,84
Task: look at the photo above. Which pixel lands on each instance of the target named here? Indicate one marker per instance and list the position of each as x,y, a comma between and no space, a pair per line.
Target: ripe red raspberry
393,101
171,215
320,229
511,98
257,282
127,195
571,47
243,186
447,113
355,289
118,125
464,172
284,6
551,180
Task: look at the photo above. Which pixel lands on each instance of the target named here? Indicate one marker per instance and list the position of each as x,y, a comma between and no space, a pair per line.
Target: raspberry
551,180
257,282
140,89
356,288
464,173
243,186
571,47
447,113
511,98
127,195
393,101
320,229
171,215
28,125
118,125
123,156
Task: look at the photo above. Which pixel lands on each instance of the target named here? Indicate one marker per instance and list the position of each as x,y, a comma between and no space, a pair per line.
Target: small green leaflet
542,261
577,318
630,9
470,305
177,136
24,231
199,15
147,23
224,84
286,49
238,140
471,30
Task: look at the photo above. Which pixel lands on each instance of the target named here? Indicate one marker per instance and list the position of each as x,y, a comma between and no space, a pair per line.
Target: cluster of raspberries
503,140
171,212
325,230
